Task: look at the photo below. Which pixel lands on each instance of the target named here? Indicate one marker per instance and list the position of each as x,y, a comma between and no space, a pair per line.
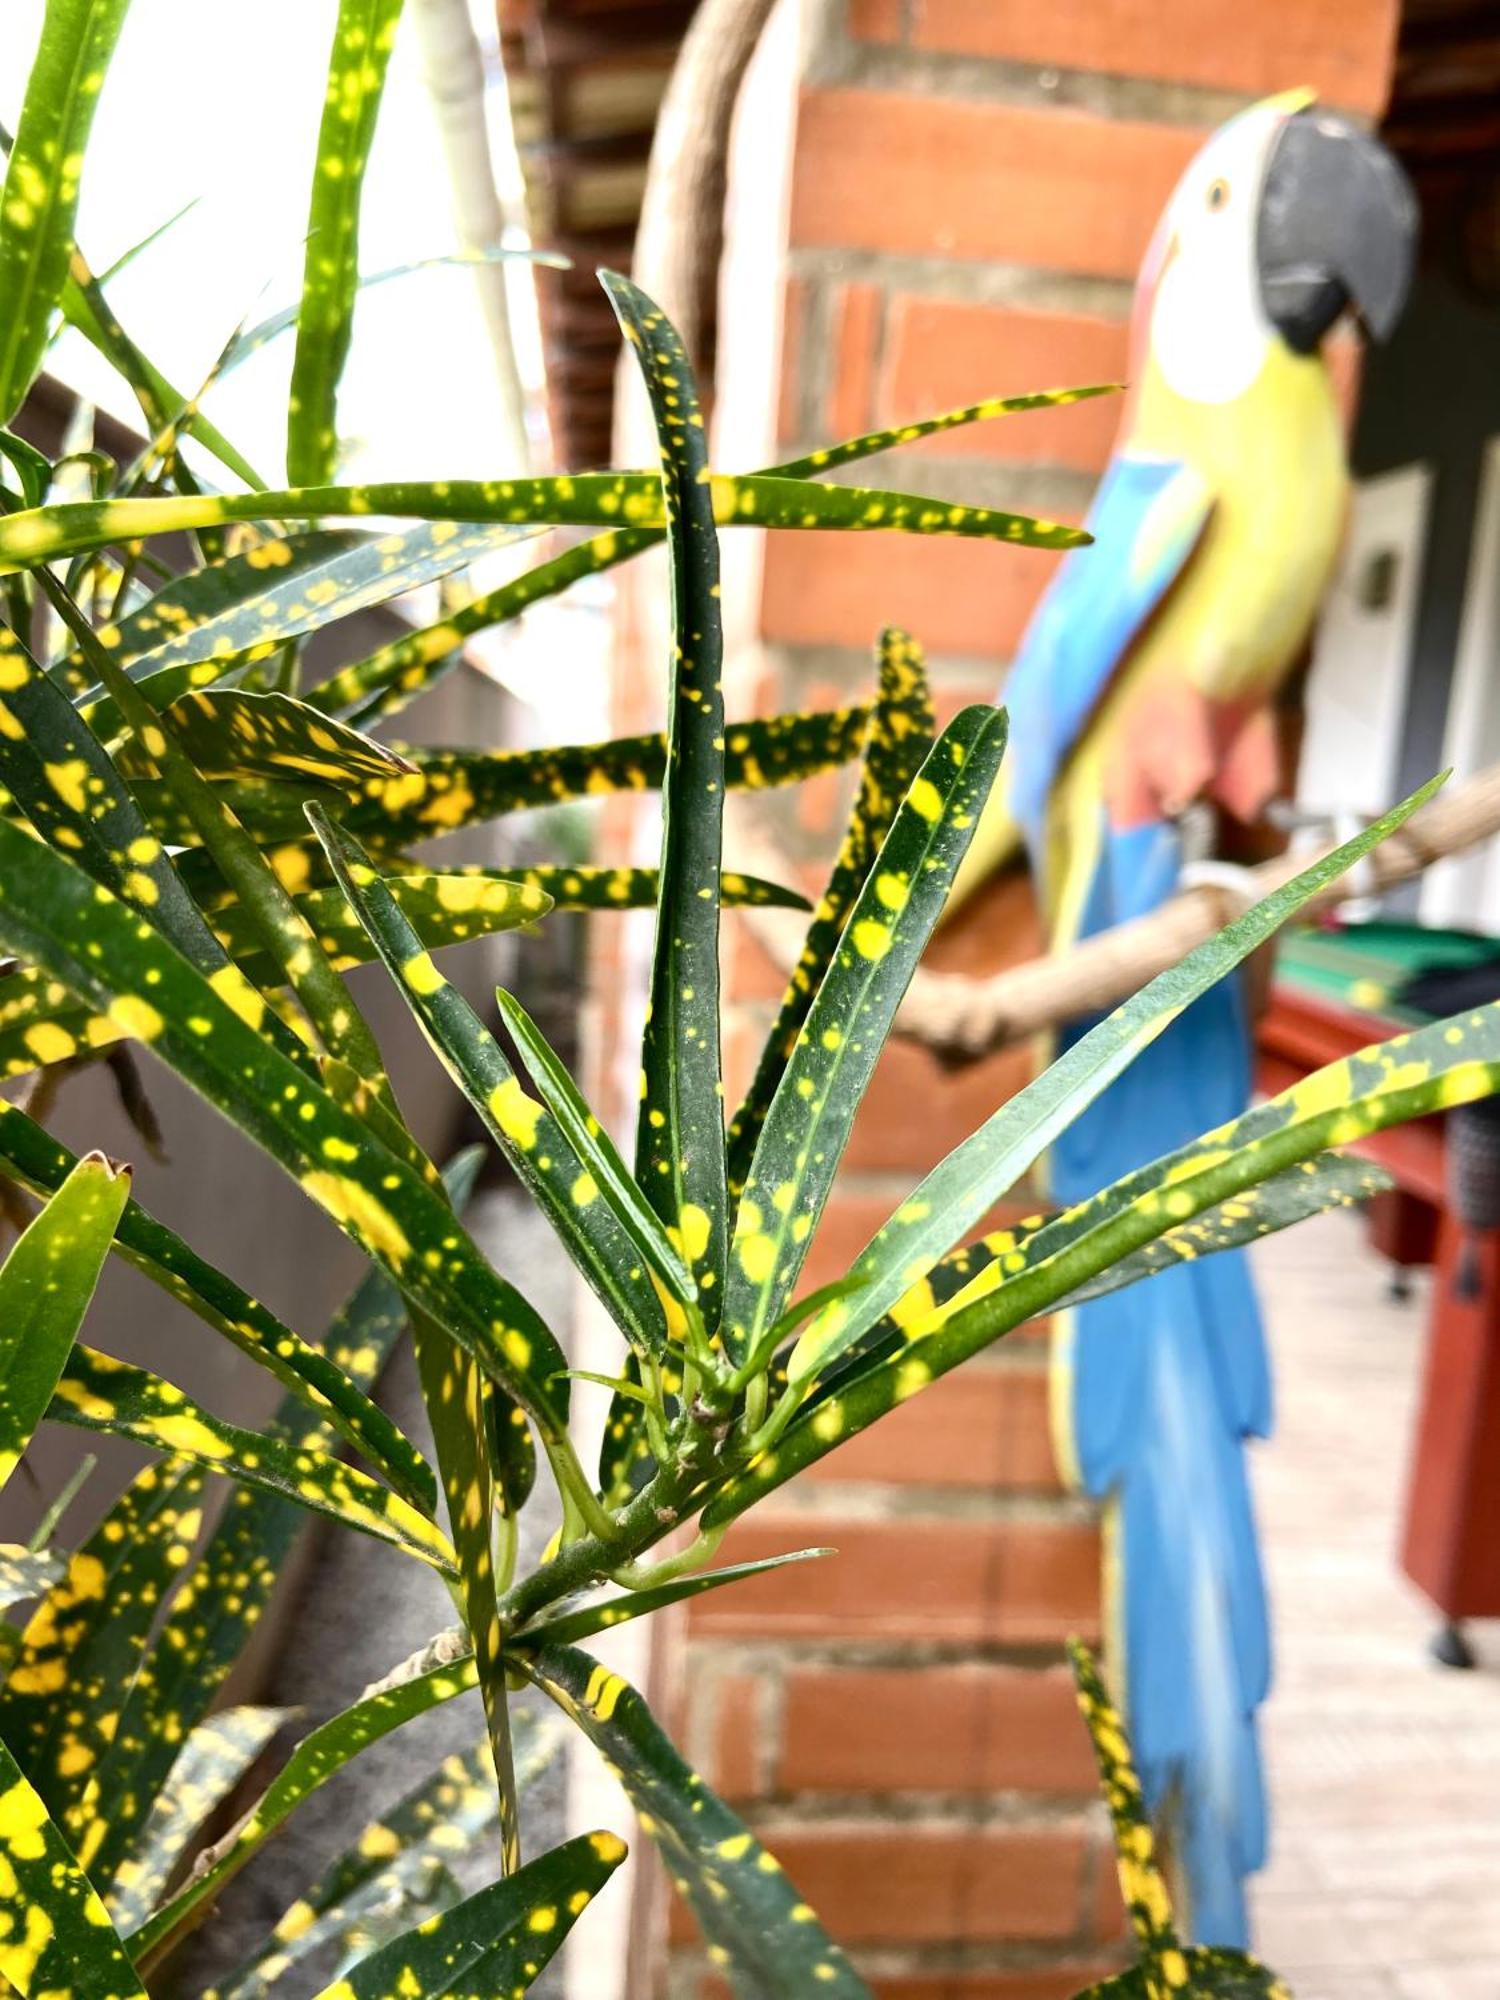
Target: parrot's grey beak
1337,227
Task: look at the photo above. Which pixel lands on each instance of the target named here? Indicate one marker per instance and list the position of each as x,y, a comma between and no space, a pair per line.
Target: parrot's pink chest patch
1174,745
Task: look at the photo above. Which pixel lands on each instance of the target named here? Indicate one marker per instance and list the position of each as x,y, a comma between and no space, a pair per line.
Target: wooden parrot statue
1145,686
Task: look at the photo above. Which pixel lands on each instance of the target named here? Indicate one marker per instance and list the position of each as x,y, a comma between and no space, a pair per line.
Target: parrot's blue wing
1146,519
1165,1381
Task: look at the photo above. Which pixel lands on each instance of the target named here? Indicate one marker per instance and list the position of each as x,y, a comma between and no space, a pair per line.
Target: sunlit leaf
231,734
1451,1062
320,1385
588,1221
42,178
86,1637
53,916
588,499
45,1287
60,1939
362,38
26,1573
572,1626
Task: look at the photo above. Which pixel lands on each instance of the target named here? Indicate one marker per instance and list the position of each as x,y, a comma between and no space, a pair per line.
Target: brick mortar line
856,1654
839,62
870,1502
970,280
1001,1811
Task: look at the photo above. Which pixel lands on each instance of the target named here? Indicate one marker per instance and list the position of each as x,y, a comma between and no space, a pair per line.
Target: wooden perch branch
963,1017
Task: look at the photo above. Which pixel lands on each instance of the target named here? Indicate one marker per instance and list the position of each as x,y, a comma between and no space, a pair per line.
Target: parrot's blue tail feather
1165,1382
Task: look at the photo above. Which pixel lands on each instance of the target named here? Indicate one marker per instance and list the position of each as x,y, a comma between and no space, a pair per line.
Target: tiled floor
1384,1769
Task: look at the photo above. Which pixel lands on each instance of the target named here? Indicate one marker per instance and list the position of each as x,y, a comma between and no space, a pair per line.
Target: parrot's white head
1286,216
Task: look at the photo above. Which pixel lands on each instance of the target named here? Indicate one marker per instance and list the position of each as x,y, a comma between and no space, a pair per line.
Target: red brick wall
949,202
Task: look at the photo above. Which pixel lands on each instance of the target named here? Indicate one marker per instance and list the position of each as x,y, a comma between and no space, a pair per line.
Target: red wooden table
1450,1543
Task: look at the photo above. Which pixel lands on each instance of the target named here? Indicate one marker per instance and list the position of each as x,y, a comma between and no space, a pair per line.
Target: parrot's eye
1218,193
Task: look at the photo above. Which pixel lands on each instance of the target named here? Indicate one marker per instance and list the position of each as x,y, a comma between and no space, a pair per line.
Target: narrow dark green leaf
1448,1063
53,916
588,1223
591,1618
393,1874
588,499
768,1943
317,1758
99,1393
45,1287
40,197
362,39
812,1112
292,595
449,789
212,1761
1166,1966
60,1939
956,1193
389,678
86,1638
231,734
319,1384
901,730
499,1940
679,1147
222,1599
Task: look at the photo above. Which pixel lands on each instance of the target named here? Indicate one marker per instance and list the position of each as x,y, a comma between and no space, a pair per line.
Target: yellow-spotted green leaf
59,1939
679,1145
363,36
45,1287
766,1939
393,1874
60,778
589,499
281,590
977,1173
318,1757
499,1940
581,1208
1450,1062
808,1123
1167,1967
231,734
636,889
85,307
450,789
596,1150
54,917
387,679
321,1385
87,1636
1314,1186
210,599
26,1573
41,1021
603,1617
212,1761
901,730
225,1593
40,197
99,1393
